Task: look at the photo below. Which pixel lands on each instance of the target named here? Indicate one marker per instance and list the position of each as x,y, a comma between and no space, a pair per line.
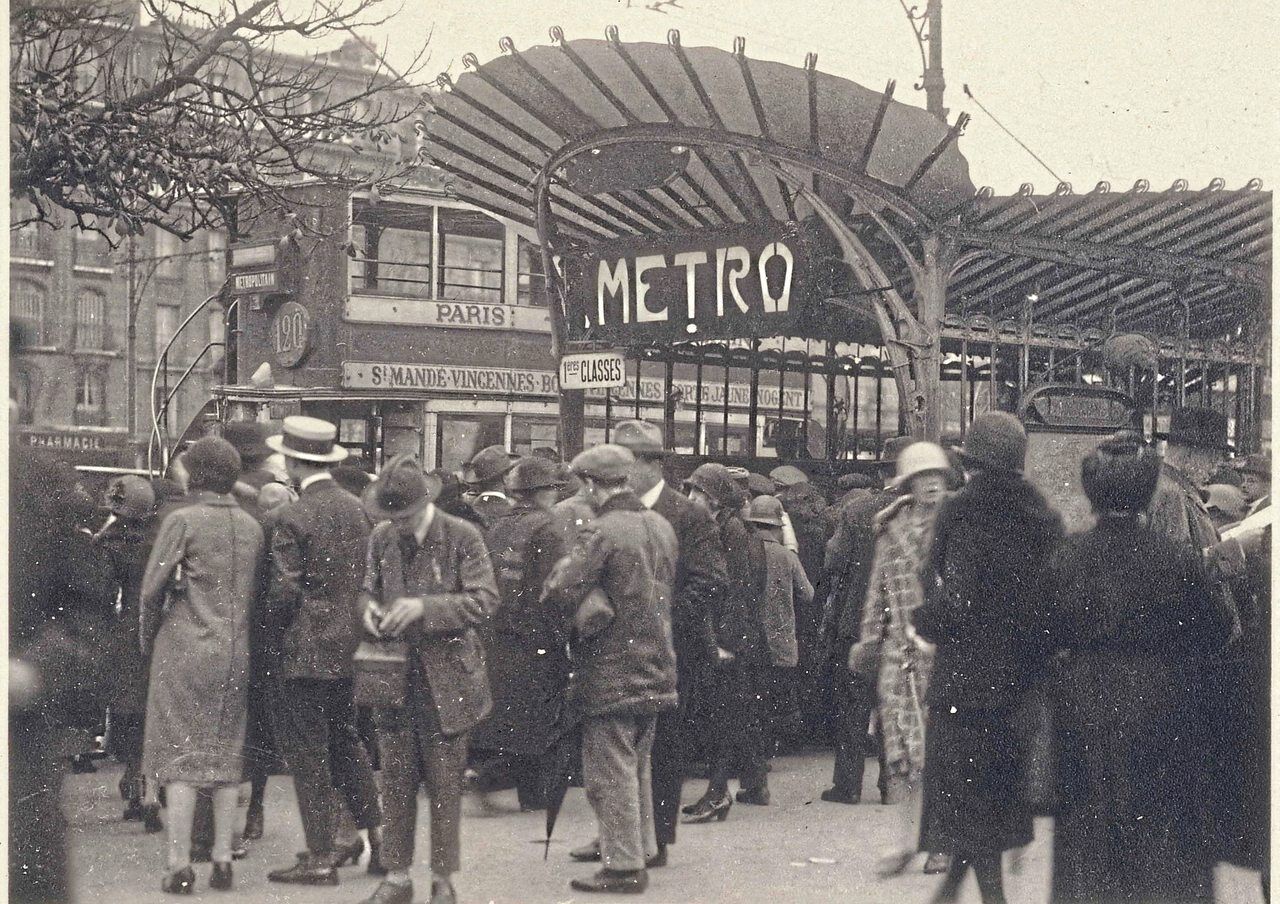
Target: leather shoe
588,853
151,822
836,796
221,877
182,882
309,870
757,796
623,882
442,892
707,810
348,854
937,863
391,893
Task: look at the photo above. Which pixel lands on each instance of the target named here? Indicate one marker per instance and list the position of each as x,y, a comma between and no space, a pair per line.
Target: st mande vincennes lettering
724,283
448,378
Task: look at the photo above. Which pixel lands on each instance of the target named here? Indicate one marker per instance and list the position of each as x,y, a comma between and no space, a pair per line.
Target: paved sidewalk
799,849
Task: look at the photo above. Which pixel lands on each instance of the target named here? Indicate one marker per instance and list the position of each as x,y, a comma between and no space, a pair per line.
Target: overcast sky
1100,89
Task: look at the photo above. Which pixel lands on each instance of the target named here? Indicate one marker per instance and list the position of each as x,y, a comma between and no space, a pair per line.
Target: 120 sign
291,334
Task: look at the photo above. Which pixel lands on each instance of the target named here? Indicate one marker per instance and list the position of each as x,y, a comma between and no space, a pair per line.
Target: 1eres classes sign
725,283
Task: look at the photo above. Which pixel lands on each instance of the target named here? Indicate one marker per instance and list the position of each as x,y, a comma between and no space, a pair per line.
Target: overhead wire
969,94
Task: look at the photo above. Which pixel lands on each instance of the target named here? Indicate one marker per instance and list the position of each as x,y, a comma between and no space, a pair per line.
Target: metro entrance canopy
605,145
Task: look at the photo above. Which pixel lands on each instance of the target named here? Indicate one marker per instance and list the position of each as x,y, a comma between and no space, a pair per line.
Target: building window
91,405
28,314
391,249
169,258
91,320
167,320
89,389
91,249
30,239
531,284
22,392
470,256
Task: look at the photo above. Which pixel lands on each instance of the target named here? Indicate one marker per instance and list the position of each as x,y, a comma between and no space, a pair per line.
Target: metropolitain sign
727,283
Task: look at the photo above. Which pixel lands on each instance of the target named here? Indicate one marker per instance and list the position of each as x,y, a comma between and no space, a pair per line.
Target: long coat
787,591
317,566
1131,614
700,582
526,660
986,572
450,570
198,697
628,667
127,544
894,590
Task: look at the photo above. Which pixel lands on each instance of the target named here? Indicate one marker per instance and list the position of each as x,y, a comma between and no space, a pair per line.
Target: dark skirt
972,803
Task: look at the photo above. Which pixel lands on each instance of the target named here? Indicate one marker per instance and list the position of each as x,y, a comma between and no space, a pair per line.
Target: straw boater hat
308,439
401,491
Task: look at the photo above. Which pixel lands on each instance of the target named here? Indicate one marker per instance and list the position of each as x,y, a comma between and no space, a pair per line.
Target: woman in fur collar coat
986,572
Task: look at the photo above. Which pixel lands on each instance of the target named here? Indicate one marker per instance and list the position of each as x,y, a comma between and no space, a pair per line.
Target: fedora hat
641,437
996,441
308,439
401,490
488,464
249,438
765,510
533,473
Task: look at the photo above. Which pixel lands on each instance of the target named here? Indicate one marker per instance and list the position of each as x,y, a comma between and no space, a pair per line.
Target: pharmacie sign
730,283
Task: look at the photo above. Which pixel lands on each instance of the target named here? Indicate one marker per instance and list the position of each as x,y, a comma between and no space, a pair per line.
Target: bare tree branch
183,121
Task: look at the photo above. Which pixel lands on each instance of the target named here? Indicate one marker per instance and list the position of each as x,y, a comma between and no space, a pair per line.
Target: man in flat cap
524,646
483,477
625,671
699,586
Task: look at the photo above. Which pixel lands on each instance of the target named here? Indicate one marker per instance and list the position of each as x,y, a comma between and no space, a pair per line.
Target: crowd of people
530,623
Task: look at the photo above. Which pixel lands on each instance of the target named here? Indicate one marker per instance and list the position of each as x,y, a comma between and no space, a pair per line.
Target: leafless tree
183,114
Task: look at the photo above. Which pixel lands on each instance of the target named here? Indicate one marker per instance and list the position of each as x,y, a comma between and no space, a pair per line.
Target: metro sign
729,283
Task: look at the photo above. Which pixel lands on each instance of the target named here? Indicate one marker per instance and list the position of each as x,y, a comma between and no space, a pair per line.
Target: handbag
381,673
594,614
864,659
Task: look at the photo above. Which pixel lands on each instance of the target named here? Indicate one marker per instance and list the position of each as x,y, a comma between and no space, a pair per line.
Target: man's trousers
615,763
413,752
855,698
314,721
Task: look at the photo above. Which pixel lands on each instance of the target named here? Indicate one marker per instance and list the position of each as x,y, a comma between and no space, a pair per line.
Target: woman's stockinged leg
990,880
949,891
181,798
225,798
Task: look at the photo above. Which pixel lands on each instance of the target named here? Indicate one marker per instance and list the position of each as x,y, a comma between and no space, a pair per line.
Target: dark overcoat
317,566
526,661
699,585
449,571
984,577
1132,618
199,638
127,544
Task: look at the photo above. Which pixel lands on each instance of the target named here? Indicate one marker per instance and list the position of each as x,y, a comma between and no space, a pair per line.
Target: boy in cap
787,589
699,586
624,674
428,581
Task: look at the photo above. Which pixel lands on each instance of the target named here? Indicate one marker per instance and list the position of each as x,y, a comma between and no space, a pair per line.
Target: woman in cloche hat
992,544
886,652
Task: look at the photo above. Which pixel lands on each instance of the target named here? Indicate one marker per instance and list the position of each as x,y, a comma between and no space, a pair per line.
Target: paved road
799,849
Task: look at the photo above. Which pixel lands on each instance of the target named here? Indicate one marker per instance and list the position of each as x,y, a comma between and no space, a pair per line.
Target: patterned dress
904,533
